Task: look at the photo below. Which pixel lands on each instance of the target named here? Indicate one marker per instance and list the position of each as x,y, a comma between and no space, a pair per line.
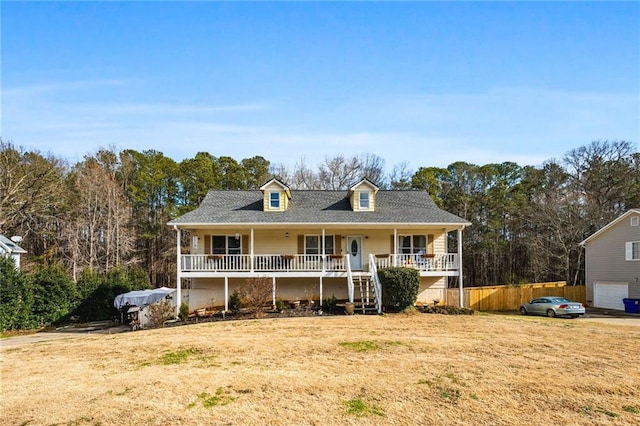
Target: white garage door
610,295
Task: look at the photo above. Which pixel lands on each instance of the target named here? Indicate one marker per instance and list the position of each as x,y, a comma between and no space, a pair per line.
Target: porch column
178,271
226,294
273,280
395,247
461,295
324,259
321,291
251,251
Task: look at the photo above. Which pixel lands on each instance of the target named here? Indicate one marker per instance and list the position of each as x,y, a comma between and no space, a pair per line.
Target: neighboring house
316,244
8,247
612,262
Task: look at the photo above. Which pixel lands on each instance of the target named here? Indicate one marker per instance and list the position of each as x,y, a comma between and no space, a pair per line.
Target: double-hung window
312,244
226,244
632,250
274,200
363,200
408,244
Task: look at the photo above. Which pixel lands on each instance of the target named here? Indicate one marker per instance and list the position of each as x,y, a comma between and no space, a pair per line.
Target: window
274,200
632,250
635,220
226,244
412,244
364,200
312,246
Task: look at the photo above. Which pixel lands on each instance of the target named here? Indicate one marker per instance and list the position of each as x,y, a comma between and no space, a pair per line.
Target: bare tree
98,232
303,176
400,177
339,172
32,197
372,168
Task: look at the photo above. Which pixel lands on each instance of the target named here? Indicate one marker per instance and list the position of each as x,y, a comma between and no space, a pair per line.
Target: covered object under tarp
144,298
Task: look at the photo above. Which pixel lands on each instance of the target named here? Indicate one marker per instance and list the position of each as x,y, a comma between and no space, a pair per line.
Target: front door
354,248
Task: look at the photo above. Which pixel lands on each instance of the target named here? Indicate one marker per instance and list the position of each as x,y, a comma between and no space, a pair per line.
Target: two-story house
315,244
612,262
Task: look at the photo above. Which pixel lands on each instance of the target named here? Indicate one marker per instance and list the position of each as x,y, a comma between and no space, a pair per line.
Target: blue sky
427,83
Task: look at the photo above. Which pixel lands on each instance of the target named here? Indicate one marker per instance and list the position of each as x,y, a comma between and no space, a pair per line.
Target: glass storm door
354,248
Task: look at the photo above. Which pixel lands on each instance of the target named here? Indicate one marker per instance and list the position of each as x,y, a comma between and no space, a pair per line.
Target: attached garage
610,294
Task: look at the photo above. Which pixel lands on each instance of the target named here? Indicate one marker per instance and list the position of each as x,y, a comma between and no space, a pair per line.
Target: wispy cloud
524,125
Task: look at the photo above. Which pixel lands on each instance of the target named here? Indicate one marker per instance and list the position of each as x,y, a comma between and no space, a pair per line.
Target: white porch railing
262,263
311,262
377,286
216,262
436,263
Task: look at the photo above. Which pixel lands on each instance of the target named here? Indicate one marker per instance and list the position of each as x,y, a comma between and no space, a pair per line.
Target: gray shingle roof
306,206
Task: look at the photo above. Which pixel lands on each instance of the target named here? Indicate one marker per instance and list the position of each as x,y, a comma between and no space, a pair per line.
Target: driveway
612,316
61,333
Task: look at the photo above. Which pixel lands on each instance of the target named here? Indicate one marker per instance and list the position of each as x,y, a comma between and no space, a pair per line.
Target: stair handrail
349,278
377,286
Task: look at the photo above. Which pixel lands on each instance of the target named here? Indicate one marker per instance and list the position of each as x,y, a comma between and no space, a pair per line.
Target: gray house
9,247
315,244
612,262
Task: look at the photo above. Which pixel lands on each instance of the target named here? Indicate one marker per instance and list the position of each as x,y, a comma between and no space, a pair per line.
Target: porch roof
318,207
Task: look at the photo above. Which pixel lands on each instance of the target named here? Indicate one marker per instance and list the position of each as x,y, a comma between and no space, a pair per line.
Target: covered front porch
352,255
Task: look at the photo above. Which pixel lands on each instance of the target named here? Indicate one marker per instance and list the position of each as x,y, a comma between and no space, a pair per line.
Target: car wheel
523,310
551,313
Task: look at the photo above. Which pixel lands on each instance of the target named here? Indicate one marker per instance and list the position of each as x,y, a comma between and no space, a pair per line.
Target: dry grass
396,369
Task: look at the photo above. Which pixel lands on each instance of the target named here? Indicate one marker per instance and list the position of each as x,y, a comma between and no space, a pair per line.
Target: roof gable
611,224
365,183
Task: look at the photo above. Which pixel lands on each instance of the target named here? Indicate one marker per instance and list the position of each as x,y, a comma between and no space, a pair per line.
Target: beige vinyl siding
605,258
266,199
355,200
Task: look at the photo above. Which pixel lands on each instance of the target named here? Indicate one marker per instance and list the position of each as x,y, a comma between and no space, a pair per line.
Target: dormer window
274,200
362,196
363,200
275,196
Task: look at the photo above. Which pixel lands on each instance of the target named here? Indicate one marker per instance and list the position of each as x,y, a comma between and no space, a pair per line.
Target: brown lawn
393,369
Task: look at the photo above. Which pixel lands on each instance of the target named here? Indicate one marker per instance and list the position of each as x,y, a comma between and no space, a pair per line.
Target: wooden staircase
365,295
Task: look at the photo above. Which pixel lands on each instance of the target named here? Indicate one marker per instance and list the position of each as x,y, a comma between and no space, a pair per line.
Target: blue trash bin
631,305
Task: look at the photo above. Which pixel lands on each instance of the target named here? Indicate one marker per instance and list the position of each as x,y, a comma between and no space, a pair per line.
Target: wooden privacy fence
509,298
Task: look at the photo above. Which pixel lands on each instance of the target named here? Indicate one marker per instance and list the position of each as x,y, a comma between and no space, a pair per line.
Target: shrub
279,304
235,301
55,295
257,293
159,312
184,312
330,304
16,297
399,287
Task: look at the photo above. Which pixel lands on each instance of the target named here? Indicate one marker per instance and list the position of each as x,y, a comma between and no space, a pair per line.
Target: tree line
110,210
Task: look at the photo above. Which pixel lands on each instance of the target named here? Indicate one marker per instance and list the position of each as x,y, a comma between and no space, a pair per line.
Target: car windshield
560,300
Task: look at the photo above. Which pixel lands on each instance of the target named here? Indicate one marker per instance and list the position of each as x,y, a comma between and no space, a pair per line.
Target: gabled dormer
362,196
275,196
